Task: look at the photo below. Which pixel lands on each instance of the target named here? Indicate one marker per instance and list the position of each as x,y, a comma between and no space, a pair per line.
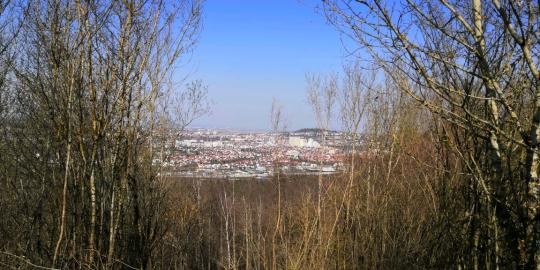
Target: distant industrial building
297,141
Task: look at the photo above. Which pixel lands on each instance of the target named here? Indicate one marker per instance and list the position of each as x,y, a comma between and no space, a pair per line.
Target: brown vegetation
446,176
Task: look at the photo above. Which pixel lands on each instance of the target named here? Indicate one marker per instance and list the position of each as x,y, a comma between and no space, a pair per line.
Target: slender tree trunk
533,202
112,229
66,169
64,203
93,211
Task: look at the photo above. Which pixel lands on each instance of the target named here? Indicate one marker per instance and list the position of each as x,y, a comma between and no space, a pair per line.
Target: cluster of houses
249,155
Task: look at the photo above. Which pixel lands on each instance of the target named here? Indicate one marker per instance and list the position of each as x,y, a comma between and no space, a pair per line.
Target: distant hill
314,130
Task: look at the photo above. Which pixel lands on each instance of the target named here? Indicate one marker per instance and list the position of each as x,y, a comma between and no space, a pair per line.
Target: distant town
207,153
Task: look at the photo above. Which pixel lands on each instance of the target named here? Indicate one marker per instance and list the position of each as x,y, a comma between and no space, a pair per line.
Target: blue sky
250,51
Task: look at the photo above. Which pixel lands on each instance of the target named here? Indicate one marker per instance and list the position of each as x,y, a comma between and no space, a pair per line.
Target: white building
312,143
184,143
298,141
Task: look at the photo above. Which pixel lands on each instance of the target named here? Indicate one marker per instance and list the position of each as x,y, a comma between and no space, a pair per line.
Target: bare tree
472,64
354,98
322,94
90,77
278,128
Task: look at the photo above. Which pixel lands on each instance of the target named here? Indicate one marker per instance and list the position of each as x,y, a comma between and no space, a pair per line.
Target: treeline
447,176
